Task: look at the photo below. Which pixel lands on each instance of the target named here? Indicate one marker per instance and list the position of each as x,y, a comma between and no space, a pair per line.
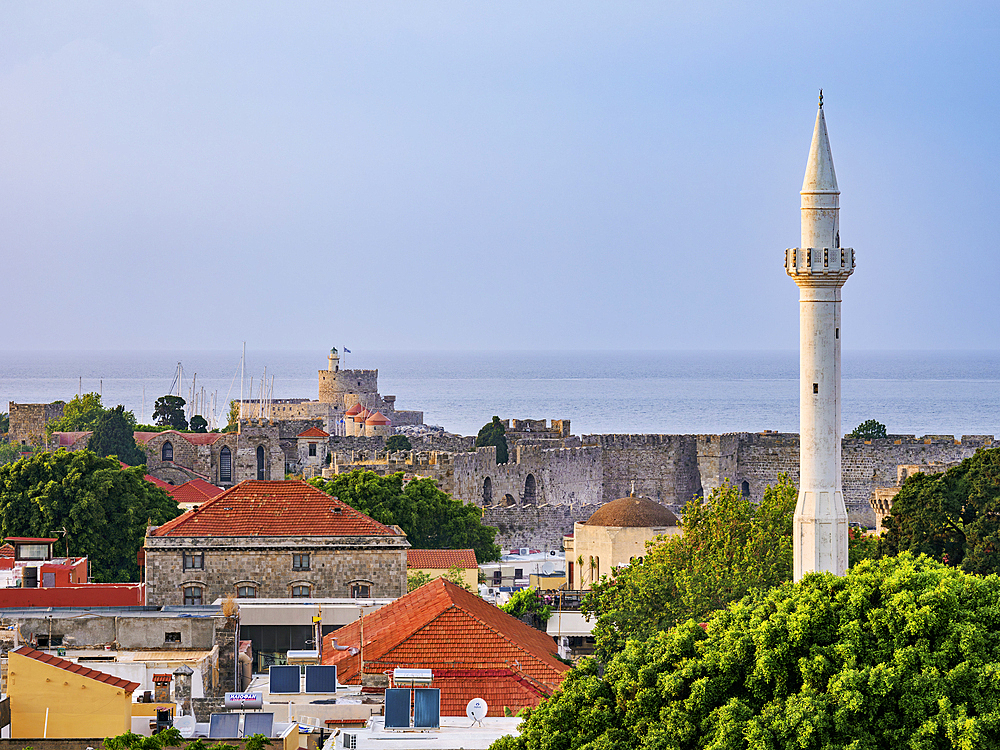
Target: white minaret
820,267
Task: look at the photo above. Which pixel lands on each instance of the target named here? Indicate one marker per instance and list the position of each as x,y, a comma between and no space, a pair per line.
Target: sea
911,392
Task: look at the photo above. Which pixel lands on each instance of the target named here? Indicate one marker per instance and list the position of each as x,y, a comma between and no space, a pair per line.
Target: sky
489,176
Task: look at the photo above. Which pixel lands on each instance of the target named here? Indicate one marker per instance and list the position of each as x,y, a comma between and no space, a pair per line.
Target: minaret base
819,533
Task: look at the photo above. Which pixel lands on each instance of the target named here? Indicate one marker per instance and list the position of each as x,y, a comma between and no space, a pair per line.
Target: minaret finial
821,98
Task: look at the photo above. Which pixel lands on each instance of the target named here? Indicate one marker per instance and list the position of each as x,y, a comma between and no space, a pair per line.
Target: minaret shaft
820,267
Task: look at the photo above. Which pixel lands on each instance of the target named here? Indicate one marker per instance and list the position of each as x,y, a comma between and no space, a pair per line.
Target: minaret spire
820,267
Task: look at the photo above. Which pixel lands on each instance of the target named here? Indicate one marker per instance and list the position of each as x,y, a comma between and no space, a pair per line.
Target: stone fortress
340,392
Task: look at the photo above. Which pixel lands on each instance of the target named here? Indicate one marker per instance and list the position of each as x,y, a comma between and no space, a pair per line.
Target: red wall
87,595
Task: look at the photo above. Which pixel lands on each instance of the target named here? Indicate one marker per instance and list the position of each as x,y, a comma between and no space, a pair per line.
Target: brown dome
634,512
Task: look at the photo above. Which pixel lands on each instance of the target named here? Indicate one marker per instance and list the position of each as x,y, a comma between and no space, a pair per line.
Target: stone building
613,536
220,458
339,391
275,540
27,421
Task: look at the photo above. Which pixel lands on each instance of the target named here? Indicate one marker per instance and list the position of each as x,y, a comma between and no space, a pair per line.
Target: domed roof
634,512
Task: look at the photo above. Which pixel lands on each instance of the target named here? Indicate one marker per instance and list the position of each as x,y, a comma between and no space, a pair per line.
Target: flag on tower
348,351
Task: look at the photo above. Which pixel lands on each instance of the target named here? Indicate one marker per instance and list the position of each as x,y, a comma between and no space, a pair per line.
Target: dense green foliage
431,519
494,433
169,410
4,423
113,436
199,423
953,517
900,653
105,509
171,737
869,430
10,452
82,414
233,418
528,600
729,546
398,443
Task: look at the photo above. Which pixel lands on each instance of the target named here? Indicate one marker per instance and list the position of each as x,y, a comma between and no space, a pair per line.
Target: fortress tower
819,267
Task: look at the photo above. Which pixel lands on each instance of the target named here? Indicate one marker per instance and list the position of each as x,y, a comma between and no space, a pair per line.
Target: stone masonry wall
266,564
663,467
539,528
27,421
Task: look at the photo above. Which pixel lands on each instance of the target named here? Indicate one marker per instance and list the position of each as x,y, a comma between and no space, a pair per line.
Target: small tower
334,361
820,267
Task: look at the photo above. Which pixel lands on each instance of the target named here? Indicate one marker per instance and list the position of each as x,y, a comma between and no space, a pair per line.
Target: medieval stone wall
27,421
536,527
663,467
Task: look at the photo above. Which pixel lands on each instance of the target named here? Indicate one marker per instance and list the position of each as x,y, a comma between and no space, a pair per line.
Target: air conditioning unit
524,550
350,742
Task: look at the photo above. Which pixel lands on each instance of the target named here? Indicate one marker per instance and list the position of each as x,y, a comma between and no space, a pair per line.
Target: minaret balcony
811,266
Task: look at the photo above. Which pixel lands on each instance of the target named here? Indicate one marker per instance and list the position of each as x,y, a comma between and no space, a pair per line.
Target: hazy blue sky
469,175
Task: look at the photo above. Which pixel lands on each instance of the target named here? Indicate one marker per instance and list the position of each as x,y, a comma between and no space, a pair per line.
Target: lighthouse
820,267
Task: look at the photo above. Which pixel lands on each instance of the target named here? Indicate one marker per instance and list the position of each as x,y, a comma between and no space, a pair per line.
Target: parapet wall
536,527
27,421
334,384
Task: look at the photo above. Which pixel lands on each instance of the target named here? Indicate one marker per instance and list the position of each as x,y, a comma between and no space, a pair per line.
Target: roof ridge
59,663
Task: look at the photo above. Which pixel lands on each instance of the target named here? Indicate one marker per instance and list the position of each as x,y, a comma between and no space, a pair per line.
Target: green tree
899,653
398,443
869,430
4,423
431,519
494,433
113,436
729,546
416,579
953,517
234,416
528,601
169,410
10,452
82,414
199,423
104,508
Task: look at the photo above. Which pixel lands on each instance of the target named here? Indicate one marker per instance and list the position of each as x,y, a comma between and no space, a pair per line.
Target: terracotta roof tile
273,508
68,438
195,491
7,550
441,626
441,558
69,666
315,432
377,418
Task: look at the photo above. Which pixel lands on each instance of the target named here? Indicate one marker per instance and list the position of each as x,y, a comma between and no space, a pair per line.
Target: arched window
529,490
167,452
487,492
745,488
193,595
246,592
260,461
299,592
225,464
508,500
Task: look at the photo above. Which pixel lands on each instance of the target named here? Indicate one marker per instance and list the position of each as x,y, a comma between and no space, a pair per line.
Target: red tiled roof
195,491
442,627
163,677
150,478
315,432
273,508
440,558
67,439
195,438
7,550
30,540
377,418
69,666
356,409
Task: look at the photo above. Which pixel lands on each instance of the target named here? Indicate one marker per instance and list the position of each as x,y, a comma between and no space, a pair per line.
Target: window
260,462
300,561
529,489
225,465
312,449
192,595
32,552
497,577
518,572
300,591
171,637
361,590
194,561
167,452
246,592
487,492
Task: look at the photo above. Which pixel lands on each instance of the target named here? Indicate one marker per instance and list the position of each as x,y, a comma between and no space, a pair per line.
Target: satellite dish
476,710
185,725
